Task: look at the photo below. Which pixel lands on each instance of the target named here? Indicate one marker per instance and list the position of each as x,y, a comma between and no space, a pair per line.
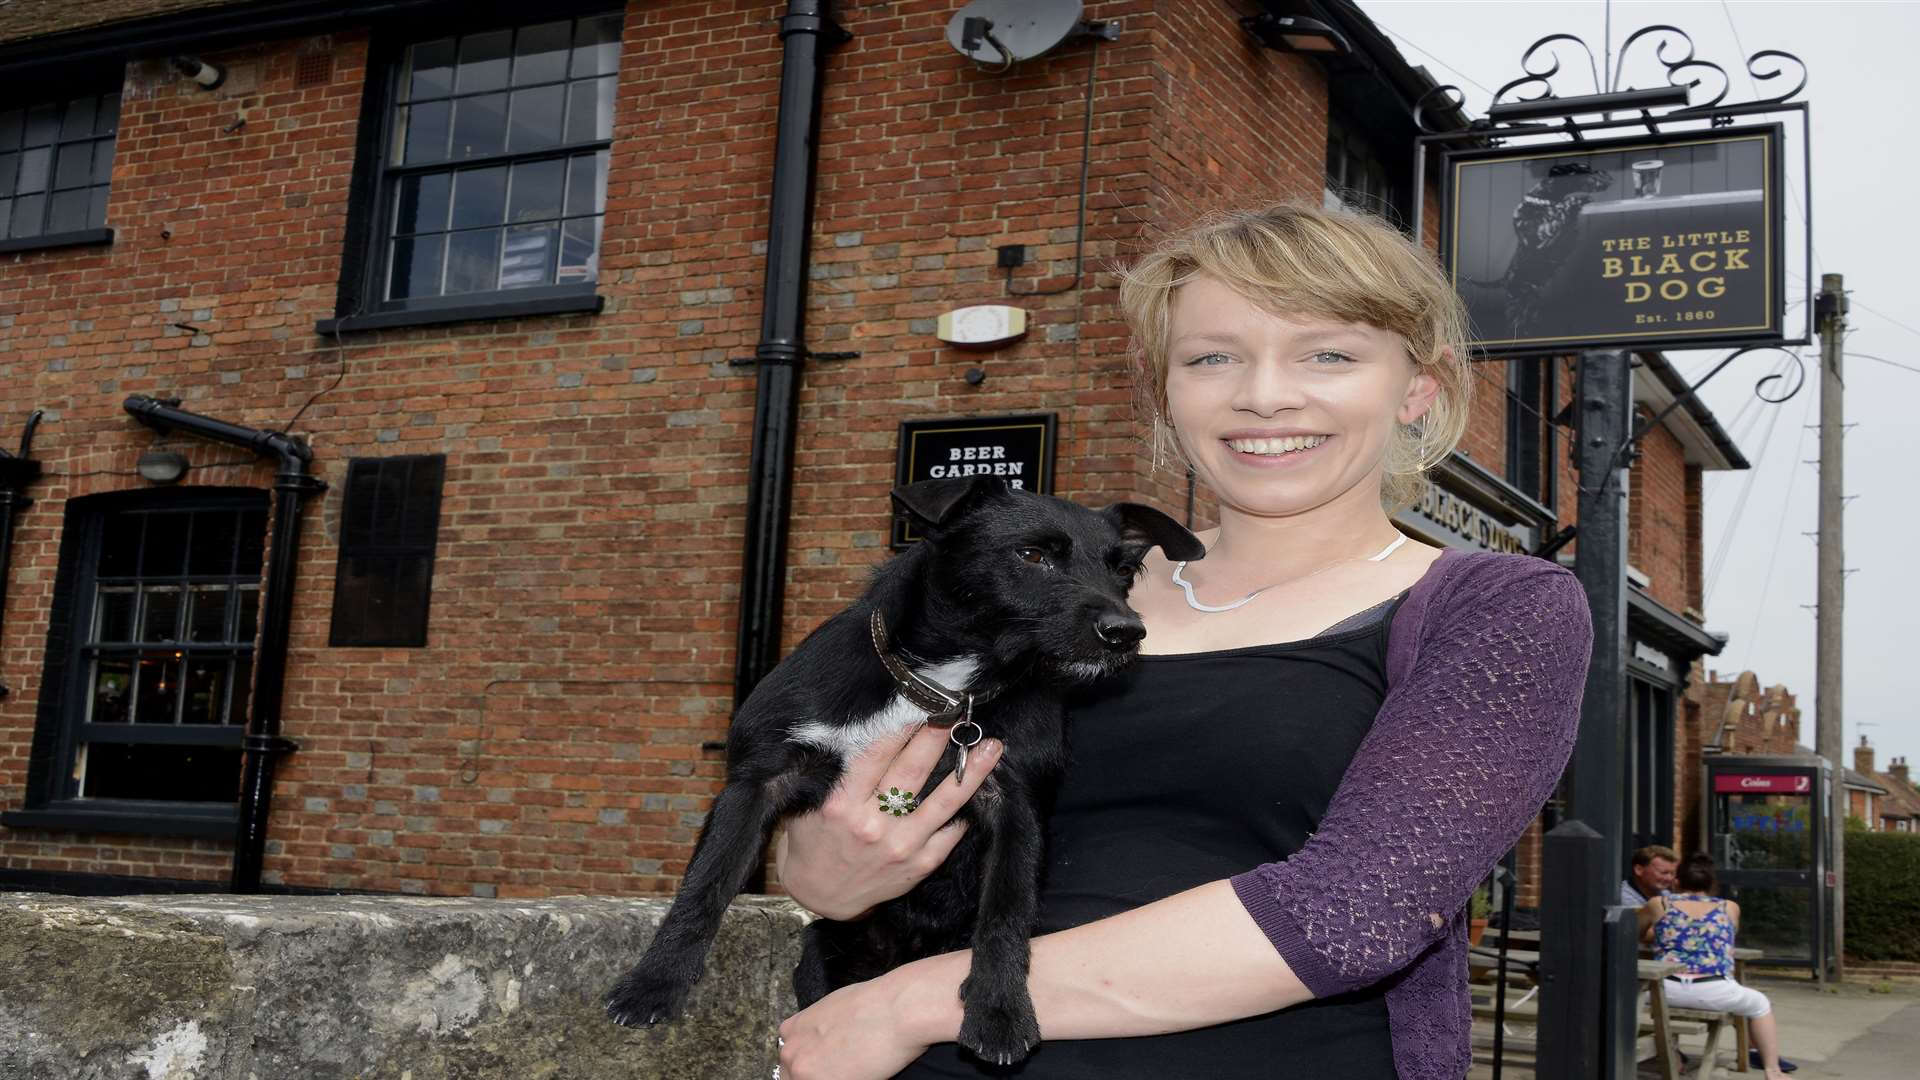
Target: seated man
1652,875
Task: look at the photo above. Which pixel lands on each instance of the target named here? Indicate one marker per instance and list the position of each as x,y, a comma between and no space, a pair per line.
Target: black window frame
349,617
1346,145
361,302
1652,711
52,796
85,81
1533,400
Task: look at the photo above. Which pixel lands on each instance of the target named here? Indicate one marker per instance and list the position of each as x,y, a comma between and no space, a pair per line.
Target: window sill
582,304
149,820
51,241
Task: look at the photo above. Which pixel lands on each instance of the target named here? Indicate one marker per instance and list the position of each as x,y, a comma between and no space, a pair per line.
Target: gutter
262,743
807,31
16,473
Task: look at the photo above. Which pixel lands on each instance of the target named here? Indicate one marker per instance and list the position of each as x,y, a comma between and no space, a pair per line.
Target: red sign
1762,783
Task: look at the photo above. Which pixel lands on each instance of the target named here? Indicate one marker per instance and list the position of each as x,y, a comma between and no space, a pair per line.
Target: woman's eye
1329,357
1033,555
1209,360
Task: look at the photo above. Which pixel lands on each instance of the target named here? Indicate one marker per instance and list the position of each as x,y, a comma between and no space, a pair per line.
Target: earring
1162,435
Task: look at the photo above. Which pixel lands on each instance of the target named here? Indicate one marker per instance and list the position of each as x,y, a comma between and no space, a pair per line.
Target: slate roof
24,19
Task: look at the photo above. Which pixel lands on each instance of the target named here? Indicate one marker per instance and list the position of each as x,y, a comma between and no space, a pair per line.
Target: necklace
1196,605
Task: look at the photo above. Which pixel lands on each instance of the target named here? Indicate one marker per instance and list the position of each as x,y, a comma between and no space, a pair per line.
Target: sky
1760,569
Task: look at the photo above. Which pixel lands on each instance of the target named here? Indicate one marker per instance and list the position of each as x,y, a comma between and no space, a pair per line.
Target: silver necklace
1196,605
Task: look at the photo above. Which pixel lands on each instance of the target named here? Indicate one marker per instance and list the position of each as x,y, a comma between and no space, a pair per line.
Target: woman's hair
1696,874
1299,260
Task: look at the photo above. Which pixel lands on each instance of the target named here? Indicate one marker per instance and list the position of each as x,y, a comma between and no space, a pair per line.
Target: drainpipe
807,31
263,743
16,472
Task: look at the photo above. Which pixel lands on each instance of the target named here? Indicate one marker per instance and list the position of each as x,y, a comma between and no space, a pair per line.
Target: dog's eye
1034,555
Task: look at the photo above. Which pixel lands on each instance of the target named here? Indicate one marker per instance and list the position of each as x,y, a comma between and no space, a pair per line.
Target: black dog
1011,598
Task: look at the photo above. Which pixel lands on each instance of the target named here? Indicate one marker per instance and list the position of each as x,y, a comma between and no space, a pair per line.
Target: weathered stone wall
314,988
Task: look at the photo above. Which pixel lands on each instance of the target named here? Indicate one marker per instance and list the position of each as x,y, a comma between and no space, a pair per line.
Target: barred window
56,158
389,525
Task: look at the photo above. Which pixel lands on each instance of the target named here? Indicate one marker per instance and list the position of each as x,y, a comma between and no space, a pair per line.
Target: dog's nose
1120,634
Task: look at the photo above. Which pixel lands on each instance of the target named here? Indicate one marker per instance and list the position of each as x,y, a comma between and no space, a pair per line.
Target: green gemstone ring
898,803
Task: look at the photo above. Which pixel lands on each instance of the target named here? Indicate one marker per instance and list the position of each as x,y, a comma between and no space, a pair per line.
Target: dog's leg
725,854
998,1023
811,980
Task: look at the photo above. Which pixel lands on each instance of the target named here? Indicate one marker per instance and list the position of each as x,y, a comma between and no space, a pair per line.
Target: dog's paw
643,1000
1000,1033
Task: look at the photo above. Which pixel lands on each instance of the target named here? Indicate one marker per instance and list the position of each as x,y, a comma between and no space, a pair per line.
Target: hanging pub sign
1018,449
1659,242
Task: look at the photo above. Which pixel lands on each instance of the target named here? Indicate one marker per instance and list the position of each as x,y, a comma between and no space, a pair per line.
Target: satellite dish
1003,32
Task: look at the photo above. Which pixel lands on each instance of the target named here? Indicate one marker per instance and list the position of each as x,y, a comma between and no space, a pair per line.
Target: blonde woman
1260,860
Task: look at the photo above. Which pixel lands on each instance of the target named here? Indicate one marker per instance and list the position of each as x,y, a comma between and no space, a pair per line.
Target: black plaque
1018,449
1656,242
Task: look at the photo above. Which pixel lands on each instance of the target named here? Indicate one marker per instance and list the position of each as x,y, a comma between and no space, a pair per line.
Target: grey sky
1865,139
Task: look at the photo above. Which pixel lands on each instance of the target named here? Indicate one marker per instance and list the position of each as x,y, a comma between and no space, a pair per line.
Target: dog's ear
1141,524
936,502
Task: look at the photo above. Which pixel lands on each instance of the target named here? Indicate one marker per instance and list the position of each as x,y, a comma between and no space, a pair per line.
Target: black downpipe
16,472
263,743
807,31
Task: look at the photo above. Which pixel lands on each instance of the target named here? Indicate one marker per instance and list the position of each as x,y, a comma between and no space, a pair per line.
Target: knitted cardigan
1486,663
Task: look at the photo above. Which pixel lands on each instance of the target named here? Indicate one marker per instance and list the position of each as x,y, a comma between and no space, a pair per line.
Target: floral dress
1703,943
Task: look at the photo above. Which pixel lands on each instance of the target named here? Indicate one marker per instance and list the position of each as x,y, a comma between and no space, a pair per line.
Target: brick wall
1659,542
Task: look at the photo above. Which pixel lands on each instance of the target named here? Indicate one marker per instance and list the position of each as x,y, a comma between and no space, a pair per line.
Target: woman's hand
872,1030
842,859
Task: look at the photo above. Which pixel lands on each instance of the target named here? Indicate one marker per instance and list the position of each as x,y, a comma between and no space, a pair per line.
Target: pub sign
1656,242
1018,449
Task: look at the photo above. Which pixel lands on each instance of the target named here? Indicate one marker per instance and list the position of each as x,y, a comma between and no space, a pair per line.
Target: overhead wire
1786,503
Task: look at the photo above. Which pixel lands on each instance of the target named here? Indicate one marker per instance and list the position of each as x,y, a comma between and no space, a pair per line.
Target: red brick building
492,270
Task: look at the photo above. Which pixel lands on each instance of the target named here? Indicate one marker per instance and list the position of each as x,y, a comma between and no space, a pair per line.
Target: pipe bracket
268,744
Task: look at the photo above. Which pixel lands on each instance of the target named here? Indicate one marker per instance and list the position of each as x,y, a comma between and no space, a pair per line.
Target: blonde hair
1300,260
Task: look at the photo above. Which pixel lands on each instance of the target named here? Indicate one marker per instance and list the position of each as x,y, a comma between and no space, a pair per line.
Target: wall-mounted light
1290,33
162,466
207,76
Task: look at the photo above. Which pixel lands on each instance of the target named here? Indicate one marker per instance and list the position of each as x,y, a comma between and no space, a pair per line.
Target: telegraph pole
1832,311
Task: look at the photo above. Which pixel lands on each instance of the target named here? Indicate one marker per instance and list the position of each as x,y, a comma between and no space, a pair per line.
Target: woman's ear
1421,392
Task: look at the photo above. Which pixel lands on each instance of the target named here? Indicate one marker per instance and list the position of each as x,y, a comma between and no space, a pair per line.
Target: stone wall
314,988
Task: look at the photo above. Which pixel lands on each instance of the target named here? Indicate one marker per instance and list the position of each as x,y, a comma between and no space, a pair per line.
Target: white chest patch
857,733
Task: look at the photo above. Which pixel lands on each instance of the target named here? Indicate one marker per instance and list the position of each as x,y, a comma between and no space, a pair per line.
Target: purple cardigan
1486,662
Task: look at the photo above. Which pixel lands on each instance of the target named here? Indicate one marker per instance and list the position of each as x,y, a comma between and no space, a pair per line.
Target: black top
1191,768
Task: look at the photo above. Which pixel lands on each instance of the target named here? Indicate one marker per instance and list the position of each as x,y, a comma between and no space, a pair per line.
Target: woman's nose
1267,388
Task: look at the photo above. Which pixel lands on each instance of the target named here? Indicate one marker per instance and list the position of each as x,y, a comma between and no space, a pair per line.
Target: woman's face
1278,415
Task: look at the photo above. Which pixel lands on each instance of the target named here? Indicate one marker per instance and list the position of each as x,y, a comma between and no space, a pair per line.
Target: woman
1694,928
1261,857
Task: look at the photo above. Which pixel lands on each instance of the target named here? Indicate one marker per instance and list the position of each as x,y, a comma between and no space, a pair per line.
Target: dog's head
1036,578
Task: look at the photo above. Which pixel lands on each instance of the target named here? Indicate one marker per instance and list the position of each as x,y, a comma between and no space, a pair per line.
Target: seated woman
1693,927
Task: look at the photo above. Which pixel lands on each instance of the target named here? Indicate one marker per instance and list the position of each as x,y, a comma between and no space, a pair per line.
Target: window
491,172
388,529
1649,808
55,160
149,662
1356,178
1533,397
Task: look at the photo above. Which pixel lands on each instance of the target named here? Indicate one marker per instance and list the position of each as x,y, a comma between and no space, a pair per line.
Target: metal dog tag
953,733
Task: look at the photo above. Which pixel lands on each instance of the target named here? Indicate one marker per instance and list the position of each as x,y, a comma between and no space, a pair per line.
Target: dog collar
942,706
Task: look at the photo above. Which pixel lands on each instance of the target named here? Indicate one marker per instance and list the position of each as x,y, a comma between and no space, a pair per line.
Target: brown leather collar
942,706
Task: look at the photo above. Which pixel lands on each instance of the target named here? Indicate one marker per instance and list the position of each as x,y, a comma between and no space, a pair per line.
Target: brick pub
488,275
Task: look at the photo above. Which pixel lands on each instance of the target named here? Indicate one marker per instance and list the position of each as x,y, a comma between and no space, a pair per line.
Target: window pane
97,207
247,626
120,550
75,165
159,690
103,161
540,53
12,121
419,523
206,691
107,119
416,264
423,132
6,216
112,698
579,250
29,215
536,117
422,203
172,773
253,543
590,110
33,170
207,620
483,61
43,123
431,69
587,184
528,256
473,261
9,166
479,197
160,618
536,190
113,613
213,533
79,122
166,551
70,211
596,46
479,125
242,685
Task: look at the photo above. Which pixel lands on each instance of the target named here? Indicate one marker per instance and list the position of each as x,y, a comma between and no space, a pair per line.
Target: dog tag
953,733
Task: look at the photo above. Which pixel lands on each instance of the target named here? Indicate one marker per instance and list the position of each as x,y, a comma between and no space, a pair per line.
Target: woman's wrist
926,997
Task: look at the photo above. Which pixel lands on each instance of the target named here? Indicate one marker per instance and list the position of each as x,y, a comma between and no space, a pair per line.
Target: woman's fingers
916,759
938,806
